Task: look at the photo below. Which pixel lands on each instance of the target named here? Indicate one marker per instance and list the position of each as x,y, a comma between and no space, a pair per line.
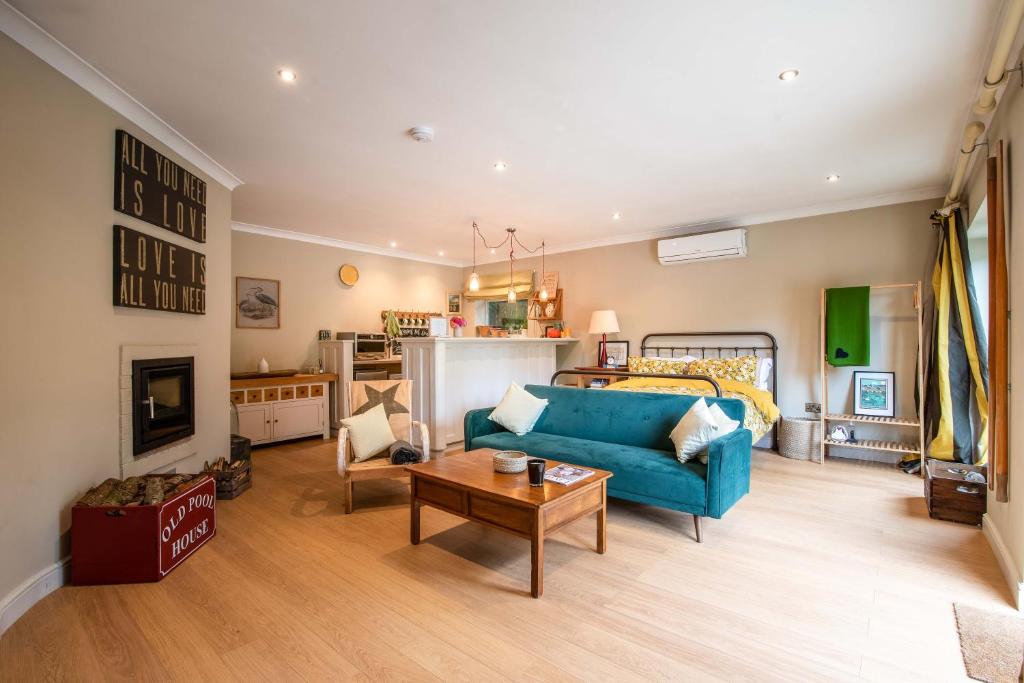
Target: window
507,314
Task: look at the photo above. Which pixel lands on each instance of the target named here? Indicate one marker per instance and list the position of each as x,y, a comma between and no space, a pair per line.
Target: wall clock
348,274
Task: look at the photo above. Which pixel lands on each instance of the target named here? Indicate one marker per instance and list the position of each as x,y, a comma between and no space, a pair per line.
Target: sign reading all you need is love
152,188
156,274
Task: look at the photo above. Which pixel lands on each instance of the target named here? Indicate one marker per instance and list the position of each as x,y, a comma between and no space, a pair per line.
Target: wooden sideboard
279,408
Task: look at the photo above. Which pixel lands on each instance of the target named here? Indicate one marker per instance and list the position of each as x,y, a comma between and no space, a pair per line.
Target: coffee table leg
537,558
414,518
602,521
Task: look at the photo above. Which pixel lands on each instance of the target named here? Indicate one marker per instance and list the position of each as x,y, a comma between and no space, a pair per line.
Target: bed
664,368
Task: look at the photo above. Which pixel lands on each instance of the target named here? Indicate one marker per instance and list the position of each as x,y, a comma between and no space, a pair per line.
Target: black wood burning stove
163,402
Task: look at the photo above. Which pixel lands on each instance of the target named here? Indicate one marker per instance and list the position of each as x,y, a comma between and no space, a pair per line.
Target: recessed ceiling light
500,165
392,244
287,75
493,251
789,75
832,178
616,216
441,253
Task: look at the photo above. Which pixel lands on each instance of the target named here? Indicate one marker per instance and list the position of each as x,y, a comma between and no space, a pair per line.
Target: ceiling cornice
342,244
733,222
36,40
750,219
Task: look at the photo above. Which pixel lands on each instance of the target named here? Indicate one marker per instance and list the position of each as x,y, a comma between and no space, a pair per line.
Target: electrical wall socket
812,407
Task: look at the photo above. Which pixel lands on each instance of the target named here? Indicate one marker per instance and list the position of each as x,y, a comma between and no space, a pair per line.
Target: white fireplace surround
164,456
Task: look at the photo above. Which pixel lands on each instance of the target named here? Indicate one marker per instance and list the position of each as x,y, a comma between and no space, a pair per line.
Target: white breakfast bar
452,375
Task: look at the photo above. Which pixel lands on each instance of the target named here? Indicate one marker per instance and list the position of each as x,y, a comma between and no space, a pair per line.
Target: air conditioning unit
709,246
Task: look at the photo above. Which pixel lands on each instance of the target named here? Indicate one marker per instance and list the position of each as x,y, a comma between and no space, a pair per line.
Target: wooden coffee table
465,484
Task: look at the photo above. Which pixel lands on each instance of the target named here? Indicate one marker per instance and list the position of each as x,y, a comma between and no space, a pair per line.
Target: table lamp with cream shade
603,323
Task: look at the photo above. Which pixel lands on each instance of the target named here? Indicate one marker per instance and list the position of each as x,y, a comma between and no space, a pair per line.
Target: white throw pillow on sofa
519,410
370,433
694,431
726,425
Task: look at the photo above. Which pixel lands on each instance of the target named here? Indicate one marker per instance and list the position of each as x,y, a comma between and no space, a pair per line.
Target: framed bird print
257,303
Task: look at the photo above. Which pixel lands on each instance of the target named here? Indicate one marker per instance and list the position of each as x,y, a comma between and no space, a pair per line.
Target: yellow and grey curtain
956,399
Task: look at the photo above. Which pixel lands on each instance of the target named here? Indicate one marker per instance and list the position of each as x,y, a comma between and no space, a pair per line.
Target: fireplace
163,402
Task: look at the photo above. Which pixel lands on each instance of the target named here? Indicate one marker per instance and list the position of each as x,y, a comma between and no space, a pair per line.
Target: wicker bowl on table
510,462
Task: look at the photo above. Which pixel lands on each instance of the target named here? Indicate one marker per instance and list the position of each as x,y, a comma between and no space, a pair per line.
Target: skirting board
1006,563
21,599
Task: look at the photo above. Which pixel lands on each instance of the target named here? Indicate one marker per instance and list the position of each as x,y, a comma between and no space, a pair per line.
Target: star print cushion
394,395
519,410
369,433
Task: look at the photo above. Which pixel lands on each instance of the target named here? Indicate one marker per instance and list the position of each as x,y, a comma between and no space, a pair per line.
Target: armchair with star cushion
380,415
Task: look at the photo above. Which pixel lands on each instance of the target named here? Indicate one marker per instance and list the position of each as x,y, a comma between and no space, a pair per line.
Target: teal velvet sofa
627,433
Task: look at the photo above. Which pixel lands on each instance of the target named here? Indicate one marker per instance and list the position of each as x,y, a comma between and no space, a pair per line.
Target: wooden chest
949,496
140,543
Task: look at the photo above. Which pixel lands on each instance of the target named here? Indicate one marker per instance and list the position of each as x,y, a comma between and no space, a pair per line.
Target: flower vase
456,331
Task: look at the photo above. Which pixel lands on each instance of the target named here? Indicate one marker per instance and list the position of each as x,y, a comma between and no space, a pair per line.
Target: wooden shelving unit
907,422
536,304
871,419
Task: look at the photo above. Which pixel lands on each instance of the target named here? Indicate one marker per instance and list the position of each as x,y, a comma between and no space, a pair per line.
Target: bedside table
583,381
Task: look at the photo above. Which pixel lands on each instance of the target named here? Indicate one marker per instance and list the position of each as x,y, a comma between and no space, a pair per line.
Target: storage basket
800,438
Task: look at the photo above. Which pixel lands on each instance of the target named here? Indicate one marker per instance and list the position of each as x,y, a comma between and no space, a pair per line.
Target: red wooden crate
140,543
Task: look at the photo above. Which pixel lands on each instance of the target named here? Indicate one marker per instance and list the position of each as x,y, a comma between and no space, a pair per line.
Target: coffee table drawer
439,495
572,509
511,517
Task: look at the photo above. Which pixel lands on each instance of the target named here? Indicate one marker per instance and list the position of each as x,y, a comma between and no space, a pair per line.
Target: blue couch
626,433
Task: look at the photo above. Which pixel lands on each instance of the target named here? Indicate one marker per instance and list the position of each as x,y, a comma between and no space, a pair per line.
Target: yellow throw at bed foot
761,411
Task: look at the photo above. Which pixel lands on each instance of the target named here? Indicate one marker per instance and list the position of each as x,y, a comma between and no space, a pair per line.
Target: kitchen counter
487,340
453,375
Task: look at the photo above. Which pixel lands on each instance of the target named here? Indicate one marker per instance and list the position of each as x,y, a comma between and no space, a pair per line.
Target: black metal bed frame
770,346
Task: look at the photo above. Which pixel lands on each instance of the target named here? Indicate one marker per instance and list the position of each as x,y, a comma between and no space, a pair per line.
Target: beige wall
313,298
1008,126
776,288
61,334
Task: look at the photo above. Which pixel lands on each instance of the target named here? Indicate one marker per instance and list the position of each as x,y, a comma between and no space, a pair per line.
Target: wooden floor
831,573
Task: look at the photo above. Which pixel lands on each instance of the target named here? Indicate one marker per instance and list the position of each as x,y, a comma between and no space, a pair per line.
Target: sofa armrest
728,471
476,424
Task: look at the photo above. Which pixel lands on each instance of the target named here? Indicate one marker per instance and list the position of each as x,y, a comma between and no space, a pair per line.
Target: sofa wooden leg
348,496
696,525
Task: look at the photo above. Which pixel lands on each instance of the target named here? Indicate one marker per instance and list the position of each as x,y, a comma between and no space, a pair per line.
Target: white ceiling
668,111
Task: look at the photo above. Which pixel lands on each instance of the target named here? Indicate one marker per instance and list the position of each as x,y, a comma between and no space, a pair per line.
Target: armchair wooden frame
378,467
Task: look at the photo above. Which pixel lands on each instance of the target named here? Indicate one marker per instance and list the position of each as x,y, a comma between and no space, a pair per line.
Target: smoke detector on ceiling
422,134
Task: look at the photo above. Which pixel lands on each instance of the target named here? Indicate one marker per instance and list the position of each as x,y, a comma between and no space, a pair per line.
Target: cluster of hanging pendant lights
512,240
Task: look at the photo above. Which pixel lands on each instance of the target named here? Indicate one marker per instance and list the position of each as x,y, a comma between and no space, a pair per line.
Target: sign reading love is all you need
152,188
155,274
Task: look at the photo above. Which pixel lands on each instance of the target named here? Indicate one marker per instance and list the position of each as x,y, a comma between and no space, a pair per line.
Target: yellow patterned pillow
739,369
659,366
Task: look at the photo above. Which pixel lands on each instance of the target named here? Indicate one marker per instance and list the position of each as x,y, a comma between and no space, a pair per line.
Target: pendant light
474,279
543,294
511,258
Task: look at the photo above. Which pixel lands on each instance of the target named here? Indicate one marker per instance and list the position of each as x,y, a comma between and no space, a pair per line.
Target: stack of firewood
138,490
222,465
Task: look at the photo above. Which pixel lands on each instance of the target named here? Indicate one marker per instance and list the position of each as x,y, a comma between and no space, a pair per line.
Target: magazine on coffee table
567,474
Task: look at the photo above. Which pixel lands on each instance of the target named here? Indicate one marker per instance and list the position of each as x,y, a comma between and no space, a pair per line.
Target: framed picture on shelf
454,304
874,393
618,352
257,302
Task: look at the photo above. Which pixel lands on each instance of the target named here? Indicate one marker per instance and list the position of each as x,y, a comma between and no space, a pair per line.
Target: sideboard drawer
287,393
254,396
238,397
270,394
302,392
316,390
